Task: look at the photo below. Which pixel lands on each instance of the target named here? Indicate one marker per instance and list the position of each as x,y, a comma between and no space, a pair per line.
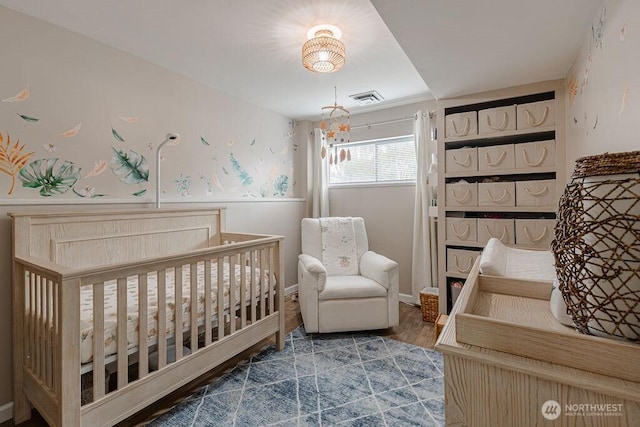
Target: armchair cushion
314,267
377,267
341,287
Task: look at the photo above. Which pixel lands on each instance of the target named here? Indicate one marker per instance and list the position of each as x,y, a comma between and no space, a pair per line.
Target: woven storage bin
429,304
597,245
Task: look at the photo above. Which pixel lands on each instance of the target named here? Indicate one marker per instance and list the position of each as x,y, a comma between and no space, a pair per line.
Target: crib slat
177,333
38,319
270,281
252,289
162,318
68,374
263,263
220,298
194,307
56,331
20,336
143,326
45,330
232,294
44,308
33,356
243,290
98,341
207,302
122,332
28,307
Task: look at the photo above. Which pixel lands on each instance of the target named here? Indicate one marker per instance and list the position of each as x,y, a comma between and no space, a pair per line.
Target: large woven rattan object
597,245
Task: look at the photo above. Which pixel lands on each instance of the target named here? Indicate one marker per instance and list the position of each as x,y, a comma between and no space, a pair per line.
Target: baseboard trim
6,412
408,299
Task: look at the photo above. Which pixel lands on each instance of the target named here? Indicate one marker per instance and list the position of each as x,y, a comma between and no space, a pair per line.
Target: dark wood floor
412,329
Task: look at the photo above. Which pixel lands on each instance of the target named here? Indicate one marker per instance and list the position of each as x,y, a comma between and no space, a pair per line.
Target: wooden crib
123,273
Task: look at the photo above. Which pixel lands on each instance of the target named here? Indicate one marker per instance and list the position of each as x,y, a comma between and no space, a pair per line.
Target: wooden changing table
505,355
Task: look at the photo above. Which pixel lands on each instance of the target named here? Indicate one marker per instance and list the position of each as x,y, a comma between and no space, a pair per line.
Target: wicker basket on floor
597,245
429,304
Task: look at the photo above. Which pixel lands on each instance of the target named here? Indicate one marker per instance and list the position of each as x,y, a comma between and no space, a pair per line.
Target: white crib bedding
110,305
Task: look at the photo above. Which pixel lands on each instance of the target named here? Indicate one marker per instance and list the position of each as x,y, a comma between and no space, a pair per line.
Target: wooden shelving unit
477,104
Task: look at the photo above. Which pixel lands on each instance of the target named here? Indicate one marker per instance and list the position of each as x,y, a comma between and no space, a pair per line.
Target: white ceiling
250,49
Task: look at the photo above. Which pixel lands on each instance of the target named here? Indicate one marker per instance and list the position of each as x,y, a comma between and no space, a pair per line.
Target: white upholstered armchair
343,286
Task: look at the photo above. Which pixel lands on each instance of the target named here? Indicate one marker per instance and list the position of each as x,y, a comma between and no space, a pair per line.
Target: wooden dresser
507,360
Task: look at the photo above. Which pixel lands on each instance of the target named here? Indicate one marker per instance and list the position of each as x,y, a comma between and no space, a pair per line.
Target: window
376,161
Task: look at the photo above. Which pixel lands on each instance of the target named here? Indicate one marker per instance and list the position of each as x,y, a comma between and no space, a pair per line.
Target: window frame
398,139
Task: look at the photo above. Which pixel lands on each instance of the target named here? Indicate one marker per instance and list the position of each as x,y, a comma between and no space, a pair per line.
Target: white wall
603,85
387,210
72,79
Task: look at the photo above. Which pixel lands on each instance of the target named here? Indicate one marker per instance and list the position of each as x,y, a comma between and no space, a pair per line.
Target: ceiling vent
367,98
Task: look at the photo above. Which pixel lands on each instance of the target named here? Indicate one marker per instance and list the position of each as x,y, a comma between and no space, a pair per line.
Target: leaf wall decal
131,167
240,172
281,185
131,119
28,118
50,182
116,135
140,192
204,141
98,167
72,132
216,182
21,96
89,192
12,159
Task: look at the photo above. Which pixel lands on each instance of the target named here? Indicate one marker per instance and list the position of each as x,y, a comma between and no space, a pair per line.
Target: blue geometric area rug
346,379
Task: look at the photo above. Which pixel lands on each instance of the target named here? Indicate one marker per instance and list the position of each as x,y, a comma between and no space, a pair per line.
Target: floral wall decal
602,114
234,149
50,181
182,185
12,159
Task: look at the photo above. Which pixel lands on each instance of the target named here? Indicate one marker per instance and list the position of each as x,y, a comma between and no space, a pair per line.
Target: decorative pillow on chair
339,252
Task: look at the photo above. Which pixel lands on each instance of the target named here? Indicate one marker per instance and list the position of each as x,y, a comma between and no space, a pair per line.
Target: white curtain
320,193
421,271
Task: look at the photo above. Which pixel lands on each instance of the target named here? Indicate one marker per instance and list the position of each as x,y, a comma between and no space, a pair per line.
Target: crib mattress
110,305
